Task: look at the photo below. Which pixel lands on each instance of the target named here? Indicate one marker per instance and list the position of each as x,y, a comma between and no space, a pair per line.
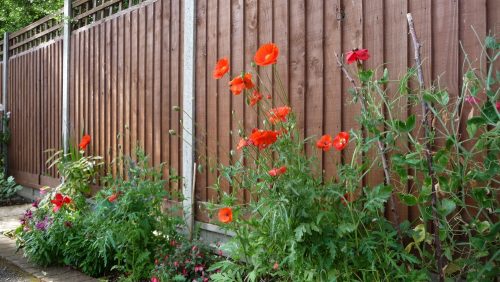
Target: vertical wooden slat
224,96
212,57
237,66
157,84
314,74
120,77
149,72
373,32
107,94
175,88
114,93
127,86
165,94
396,46
202,75
332,90
297,62
141,77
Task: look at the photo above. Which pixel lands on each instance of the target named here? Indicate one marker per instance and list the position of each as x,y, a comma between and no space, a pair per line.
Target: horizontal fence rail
126,75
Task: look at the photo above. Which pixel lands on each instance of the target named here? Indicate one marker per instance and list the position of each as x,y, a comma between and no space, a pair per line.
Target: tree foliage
15,14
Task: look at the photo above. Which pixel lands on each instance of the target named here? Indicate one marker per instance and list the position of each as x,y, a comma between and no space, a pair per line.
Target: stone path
9,219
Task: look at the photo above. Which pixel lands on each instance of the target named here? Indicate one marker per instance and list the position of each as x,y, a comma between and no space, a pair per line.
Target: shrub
301,226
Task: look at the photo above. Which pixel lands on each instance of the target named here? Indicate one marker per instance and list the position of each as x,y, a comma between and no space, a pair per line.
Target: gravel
12,273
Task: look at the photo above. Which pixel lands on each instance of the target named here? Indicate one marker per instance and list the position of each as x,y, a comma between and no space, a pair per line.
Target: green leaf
365,75
441,97
345,228
447,206
491,43
473,125
385,77
404,127
376,197
408,199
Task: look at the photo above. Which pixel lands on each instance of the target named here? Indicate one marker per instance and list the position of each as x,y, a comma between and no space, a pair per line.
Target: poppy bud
176,108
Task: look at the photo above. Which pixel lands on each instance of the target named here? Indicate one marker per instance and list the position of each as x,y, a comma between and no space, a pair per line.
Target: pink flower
497,105
472,100
276,266
176,263
154,279
199,268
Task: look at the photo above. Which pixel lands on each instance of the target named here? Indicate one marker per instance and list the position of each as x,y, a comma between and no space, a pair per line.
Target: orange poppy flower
278,114
263,138
221,68
59,201
240,83
277,171
325,143
112,198
357,55
267,54
256,97
226,215
84,142
340,141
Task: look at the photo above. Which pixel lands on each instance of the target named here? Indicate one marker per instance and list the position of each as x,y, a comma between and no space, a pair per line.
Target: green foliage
15,14
119,233
8,187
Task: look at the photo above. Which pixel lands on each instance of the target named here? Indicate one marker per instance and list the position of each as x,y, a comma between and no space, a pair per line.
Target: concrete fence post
5,89
66,73
188,102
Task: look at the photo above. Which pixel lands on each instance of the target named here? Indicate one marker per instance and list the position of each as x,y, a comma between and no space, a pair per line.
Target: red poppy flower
278,114
267,54
256,97
85,142
112,198
269,97
340,141
324,143
59,200
277,171
497,105
221,68
240,83
263,138
357,55
226,215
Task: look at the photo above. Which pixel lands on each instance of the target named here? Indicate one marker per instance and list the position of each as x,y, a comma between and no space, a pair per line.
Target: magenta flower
472,100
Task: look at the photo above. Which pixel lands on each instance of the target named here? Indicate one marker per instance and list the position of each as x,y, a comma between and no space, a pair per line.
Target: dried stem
426,121
381,149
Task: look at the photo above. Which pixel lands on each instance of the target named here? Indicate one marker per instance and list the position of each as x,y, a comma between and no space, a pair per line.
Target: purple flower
43,224
28,214
35,203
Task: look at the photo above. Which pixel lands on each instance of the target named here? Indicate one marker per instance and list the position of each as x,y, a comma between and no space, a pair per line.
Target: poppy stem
381,149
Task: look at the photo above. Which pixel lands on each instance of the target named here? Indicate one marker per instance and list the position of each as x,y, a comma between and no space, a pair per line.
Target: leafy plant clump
8,187
301,226
118,231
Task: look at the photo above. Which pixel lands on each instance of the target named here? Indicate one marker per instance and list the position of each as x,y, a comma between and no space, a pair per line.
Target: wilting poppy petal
267,54
278,114
240,83
221,68
256,97
112,198
277,171
84,142
340,141
226,215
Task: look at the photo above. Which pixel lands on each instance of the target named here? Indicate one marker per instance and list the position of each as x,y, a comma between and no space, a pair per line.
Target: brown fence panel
126,74
308,34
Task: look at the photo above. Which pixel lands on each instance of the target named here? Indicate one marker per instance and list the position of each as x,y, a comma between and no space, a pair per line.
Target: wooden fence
127,69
